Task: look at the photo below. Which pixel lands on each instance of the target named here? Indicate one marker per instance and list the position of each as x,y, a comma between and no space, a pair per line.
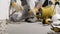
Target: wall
4,9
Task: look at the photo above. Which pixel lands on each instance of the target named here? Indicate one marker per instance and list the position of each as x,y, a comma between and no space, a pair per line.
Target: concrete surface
27,28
